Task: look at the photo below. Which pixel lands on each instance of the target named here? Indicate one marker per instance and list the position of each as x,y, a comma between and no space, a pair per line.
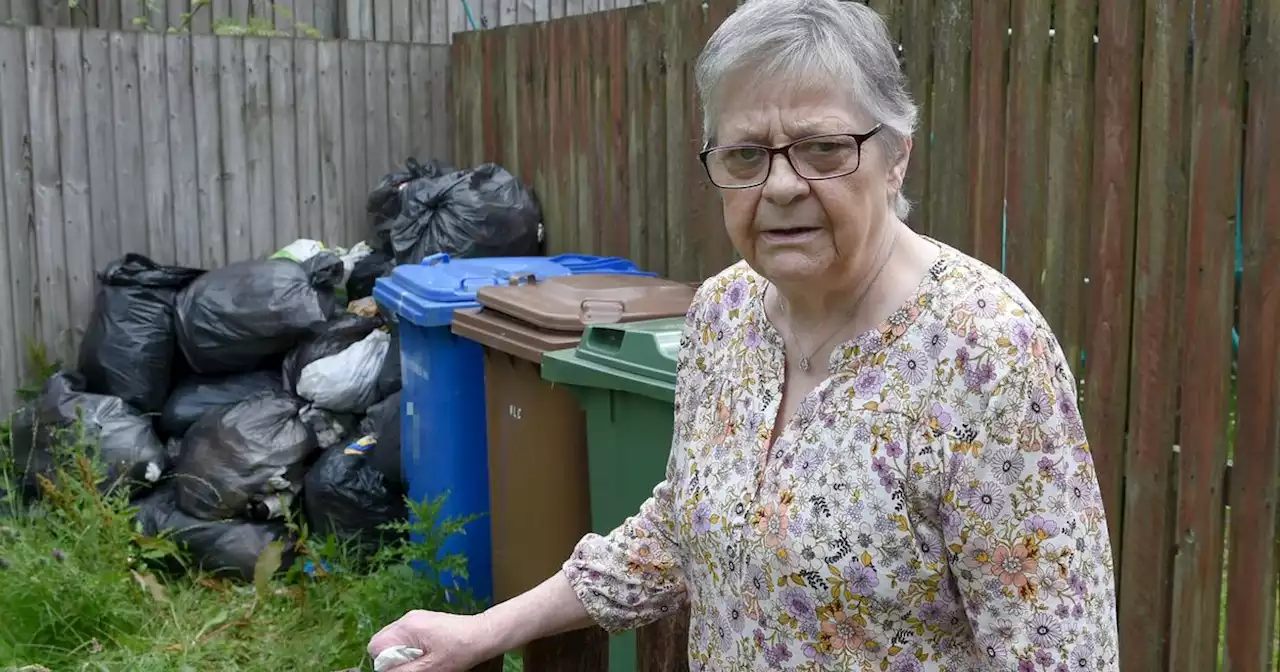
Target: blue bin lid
427,294
583,264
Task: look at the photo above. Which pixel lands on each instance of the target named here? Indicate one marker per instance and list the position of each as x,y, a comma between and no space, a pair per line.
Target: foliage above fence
1073,144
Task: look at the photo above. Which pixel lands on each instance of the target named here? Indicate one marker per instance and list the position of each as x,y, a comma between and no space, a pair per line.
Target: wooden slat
1215,155
948,196
554,205
440,22
1069,130
184,178
19,230
717,250
617,171
257,141
917,55
986,136
155,147
381,19
74,178
377,139
1255,488
284,143
354,109
399,142
442,110
401,26
1025,166
335,206
11,351
420,120
42,106
1150,481
130,192
1116,119
235,162
99,124
420,20
678,26
205,68
306,106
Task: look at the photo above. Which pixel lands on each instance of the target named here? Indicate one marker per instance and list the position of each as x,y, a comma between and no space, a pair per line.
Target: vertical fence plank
421,135
442,125
130,190
719,252
11,350
948,197
584,223
335,206
257,141
205,68
104,212
680,48
986,134
22,281
284,143
1255,488
439,18
595,146
42,105
1149,489
1206,361
182,150
1066,236
553,196
74,177
109,14
399,133
377,148
155,147
401,26
354,133
1025,166
618,170
917,55
305,101
420,23
1116,117
235,162
381,20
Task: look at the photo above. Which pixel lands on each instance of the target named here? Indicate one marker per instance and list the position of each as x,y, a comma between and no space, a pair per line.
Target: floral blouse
932,505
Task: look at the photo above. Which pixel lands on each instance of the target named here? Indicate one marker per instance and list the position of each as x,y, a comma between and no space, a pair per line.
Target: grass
82,589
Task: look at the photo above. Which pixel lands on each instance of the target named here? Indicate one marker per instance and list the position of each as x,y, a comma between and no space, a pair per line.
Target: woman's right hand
449,643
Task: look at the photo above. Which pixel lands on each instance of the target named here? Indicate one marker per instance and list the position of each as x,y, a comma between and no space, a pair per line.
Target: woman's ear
898,171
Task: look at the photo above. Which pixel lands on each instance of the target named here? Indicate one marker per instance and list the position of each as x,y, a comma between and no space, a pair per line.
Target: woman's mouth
791,235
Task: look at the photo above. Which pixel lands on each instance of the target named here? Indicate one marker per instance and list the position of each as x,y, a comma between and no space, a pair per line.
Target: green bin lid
638,357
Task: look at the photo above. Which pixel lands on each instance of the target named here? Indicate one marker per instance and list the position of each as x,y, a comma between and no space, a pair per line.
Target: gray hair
837,40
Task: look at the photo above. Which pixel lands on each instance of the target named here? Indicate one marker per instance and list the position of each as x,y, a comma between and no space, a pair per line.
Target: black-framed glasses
817,157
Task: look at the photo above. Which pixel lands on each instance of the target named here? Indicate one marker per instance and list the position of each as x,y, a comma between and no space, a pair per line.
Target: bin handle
437,258
475,280
601,311
522,278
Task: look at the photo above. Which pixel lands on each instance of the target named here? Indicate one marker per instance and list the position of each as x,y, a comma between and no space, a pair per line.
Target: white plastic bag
348,381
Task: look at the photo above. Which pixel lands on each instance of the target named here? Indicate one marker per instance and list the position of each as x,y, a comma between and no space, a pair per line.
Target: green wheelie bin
624,376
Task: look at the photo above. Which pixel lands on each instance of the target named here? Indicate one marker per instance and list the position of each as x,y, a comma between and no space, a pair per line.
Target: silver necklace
853,312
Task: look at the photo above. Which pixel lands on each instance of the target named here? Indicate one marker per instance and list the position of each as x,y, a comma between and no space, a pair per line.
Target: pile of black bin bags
230,401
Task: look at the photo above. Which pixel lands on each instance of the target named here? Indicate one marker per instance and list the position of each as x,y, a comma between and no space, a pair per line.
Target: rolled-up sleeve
634,576
1025,526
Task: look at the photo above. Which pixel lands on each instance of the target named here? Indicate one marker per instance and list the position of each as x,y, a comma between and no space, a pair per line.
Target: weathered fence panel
197,150
1088,157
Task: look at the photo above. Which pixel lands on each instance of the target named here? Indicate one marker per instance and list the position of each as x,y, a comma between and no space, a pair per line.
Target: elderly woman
878,462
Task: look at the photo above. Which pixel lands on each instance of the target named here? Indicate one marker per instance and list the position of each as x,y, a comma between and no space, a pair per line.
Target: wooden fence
198,150
417,21
1114,136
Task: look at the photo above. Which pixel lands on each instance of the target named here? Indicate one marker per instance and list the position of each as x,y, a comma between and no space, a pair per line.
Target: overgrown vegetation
82,589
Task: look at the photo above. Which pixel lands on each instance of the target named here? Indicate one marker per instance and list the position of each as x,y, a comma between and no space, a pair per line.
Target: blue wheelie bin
443,445
586,264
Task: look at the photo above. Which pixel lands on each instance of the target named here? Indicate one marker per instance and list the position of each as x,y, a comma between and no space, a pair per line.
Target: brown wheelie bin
538,488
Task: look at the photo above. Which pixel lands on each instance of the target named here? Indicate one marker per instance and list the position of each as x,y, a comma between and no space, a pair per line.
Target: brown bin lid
529,319
570,303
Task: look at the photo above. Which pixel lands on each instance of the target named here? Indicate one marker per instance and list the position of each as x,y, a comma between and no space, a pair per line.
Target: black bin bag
383,423
484,212
129,344
248,458
329,339
196,395
237,318
220,547
367,270
45,433
383,202
346,497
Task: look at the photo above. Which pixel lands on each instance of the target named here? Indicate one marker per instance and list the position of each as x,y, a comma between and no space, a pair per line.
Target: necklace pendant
804,364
